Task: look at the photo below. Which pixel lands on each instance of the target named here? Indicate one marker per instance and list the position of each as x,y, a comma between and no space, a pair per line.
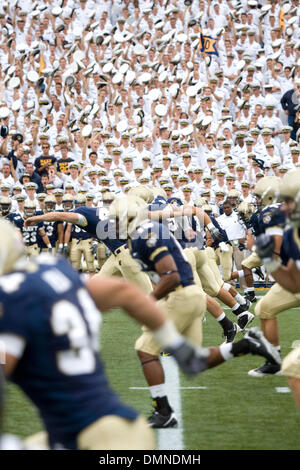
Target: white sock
235,307
221,317
240,299
226,286
158,390
225,350
249,289
241,273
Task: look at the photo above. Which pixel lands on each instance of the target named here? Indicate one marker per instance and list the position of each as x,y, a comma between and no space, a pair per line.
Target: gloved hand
216,234
264,246
242,246
94,248
190,358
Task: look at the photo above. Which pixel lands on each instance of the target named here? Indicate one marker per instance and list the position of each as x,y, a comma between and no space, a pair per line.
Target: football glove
190,358
242,246
94,248
216,234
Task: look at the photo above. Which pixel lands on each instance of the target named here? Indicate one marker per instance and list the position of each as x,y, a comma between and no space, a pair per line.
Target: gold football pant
190,256
291,364
208,272
253,261
110,432
101,254
84,247
185,306
222,258
122,263
238,257
275,301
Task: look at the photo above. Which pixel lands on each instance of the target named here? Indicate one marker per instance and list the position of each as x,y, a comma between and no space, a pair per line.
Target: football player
286,269
268,219
49,335
81,242
30,234
160,254
54,230
120,262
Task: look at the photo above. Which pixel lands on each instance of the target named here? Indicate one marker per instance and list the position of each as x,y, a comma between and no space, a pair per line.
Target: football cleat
230,334
267,369
251,297
260,346
244,319
259,273
158,420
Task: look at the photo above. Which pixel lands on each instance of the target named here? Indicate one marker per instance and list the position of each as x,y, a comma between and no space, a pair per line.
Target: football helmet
142,191
80,200
245,211
50,203
108,196
200,201
207,208
128,212
29,208
234,194
68,202
5,206
289,191
11,247
266,191
159,192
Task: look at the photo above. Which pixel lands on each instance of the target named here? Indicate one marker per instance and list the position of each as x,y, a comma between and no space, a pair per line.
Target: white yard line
172,439
180,388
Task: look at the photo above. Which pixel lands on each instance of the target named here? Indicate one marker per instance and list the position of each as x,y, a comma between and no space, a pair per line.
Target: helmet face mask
266,191
128,212
49,206
5,209
245,211
29,209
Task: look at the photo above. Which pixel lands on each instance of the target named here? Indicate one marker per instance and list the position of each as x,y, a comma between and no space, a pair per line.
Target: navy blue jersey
79,233
60,369
270,219
253,224
102,230
30,234
290,248
151,242
51,229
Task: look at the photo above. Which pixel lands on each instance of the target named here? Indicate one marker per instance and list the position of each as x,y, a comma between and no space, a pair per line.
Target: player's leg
189,253
110,268
291,369
75,254
253,261
275,301
112,432
101,254
226,262
183,306
212,285
88,255
238,258
132,271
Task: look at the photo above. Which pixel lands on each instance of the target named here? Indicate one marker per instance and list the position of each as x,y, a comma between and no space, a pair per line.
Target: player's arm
45,238
161,215
169,276
71,217
288,277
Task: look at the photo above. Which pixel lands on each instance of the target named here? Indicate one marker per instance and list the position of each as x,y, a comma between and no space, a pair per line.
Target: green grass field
234,411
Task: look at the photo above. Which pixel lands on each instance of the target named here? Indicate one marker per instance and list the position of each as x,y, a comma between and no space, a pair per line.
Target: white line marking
282,389
180,388
172,438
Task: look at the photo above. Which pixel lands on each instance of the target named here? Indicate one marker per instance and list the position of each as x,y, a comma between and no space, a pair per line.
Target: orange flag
42,64
281,20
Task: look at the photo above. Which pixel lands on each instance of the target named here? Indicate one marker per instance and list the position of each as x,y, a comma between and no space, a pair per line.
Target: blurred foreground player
49,327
